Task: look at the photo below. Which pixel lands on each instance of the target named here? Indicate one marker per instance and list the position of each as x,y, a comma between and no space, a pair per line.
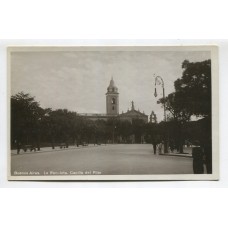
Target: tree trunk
181,148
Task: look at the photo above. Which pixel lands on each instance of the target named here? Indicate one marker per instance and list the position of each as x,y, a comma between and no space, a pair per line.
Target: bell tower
112,99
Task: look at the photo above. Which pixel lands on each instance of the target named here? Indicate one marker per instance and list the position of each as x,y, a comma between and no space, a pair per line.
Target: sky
78,80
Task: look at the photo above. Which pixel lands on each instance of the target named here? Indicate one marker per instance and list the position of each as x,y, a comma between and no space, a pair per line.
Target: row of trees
33,125
30,124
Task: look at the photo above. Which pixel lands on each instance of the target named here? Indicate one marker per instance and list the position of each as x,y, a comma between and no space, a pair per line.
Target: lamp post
113,134
159,81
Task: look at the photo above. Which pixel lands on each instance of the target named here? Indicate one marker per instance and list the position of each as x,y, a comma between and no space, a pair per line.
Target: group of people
201,154
160,148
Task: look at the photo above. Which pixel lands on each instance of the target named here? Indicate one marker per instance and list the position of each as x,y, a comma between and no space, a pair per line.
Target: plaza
117,159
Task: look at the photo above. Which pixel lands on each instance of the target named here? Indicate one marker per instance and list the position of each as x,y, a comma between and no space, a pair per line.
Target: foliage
34,125
192,97
26,114
192,94
154,133
195,87
175,103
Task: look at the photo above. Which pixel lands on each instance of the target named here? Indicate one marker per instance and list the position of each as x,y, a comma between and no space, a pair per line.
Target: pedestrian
198,159
154,147
160,148
171,146
18,147
208,156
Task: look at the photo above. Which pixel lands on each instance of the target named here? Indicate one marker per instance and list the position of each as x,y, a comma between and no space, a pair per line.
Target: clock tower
112,99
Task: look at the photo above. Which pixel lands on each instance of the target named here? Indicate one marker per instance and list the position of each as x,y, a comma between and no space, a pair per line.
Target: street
119,159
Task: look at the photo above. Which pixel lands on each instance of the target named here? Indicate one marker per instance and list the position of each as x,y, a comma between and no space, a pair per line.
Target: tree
125,130
175,103
192,94
64,125
138,129
195,87
26,116
100,131
111,129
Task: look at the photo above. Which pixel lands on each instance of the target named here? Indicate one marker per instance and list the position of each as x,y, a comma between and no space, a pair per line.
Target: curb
178,155
57,149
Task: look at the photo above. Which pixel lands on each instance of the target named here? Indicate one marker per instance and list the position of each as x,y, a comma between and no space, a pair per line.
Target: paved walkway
118,159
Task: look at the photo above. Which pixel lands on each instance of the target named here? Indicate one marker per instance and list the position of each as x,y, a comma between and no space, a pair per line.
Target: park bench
30,147
62,145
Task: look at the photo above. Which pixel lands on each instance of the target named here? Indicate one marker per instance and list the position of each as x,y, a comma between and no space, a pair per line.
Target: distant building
132,114
112,112
112,108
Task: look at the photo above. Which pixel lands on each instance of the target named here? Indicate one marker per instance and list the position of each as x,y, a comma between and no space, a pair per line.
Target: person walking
198,158
160,148
154,147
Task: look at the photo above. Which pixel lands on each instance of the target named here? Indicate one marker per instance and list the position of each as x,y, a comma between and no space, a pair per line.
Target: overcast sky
78,80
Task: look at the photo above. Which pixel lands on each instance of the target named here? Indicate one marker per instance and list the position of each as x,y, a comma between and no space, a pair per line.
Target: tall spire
112,83
112,87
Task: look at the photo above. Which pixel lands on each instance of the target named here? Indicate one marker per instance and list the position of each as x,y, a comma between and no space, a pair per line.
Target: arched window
113,100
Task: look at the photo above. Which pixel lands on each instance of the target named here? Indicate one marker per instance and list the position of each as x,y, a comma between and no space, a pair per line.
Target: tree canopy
25,115
192,94
195,87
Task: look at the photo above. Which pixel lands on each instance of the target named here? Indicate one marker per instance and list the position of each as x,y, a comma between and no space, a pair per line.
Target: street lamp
159,81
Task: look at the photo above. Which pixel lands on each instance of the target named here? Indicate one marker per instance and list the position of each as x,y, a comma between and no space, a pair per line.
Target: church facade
112,108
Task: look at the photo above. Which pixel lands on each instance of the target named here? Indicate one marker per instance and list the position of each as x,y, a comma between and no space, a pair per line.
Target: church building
132,114
112,108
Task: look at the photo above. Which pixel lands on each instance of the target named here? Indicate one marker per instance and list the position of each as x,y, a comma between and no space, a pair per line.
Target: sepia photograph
113,113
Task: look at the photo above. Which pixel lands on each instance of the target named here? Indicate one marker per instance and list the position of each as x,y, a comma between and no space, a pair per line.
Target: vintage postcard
113,113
